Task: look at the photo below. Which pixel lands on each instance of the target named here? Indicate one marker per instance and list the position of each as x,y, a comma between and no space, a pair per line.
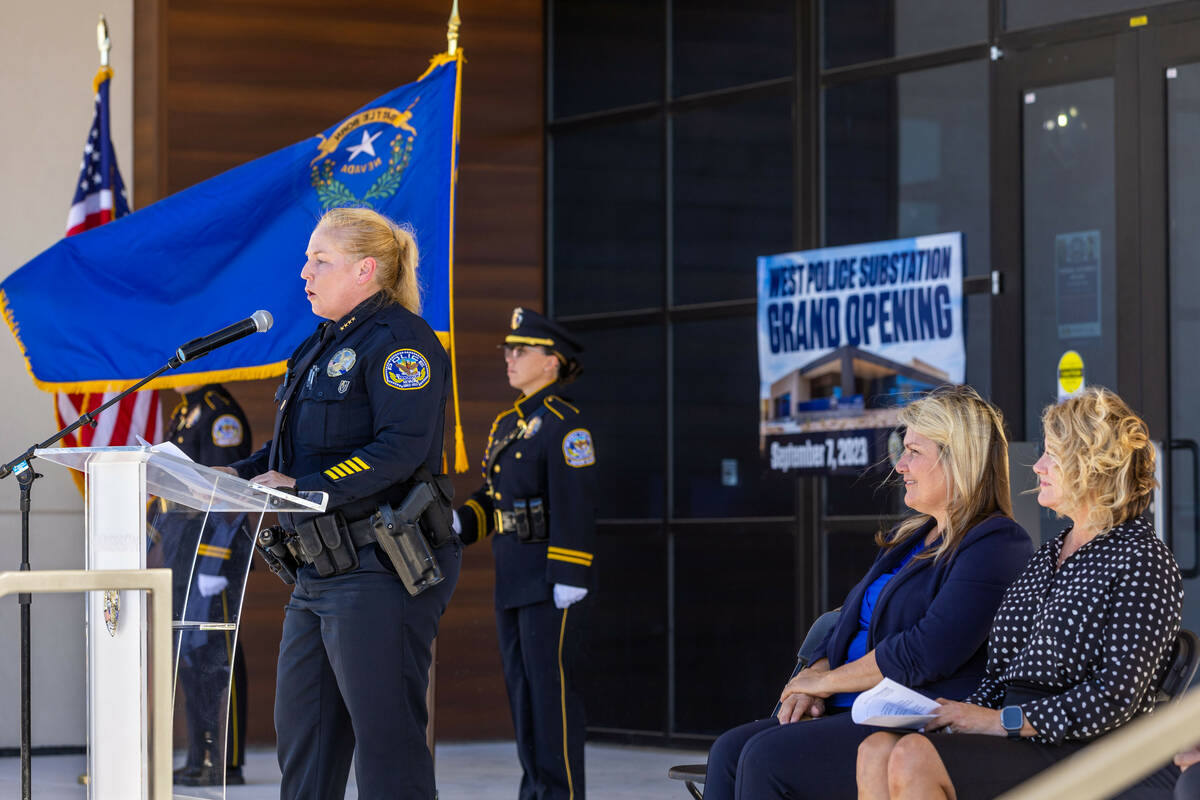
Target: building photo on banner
846,336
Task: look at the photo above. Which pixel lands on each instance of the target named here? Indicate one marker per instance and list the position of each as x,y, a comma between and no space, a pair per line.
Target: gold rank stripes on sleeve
569,556
212,551
347,468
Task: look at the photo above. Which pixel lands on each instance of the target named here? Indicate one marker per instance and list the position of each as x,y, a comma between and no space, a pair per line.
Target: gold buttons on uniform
498,496
517,454
496,468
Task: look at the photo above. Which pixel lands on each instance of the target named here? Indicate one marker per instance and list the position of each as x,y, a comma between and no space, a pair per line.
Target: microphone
258,322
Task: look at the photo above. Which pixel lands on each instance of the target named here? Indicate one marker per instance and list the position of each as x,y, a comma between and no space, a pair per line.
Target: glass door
1170,91
1064,192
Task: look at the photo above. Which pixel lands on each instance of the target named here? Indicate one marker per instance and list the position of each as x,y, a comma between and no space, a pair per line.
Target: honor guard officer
361,416
537,507
211,428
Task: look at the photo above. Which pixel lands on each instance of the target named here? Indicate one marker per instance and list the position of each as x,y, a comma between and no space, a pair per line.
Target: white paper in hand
890,705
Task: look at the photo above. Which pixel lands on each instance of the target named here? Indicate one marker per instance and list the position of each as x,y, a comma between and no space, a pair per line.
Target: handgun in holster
398,531
272,544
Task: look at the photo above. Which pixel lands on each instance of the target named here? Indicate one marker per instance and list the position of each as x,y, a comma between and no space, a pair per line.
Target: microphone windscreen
262,320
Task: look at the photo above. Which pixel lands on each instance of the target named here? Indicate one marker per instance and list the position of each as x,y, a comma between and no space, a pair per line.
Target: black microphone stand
22,467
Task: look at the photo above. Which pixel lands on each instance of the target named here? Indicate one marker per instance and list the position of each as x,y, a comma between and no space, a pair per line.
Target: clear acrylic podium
150,508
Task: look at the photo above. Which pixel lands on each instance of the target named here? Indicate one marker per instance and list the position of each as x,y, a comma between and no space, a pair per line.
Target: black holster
272,545
529,518
407,532
326,542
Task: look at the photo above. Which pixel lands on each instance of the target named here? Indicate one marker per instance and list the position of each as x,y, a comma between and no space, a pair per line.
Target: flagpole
452,26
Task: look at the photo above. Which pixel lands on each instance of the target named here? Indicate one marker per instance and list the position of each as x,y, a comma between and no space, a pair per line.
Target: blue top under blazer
930,625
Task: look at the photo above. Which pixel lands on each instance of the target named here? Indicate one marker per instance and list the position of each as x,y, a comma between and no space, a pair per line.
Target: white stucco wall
48,57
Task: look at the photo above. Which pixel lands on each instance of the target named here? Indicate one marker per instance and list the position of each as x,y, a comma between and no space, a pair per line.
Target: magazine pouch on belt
326,542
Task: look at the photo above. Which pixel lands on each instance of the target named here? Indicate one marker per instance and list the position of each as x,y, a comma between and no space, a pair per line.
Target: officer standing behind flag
537,499
361,417
211,428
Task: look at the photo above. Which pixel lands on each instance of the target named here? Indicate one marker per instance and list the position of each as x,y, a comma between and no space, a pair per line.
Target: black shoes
208,775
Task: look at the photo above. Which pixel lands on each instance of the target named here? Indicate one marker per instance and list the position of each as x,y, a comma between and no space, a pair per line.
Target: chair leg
696,793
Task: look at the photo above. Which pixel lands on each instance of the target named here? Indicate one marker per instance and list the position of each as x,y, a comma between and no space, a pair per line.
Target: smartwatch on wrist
1012,720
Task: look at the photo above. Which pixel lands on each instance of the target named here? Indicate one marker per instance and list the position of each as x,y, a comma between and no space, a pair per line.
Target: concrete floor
479,771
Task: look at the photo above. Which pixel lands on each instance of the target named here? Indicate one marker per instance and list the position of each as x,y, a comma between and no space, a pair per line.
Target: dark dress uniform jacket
357,402
552,457
211,428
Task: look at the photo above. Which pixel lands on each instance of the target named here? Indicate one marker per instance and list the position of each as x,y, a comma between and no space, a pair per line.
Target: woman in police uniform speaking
536,505
361,413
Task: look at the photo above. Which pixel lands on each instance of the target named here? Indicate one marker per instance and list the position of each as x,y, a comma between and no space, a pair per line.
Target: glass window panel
718,45
622,395
908,156
1069,172
719,471
607,233
733,647
1031,13
607,54
854,31
733,196
623,663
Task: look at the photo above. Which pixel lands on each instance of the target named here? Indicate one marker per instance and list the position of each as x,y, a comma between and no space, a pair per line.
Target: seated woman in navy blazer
920,616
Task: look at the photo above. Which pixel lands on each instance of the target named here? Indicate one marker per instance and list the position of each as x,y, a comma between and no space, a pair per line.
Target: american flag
100,198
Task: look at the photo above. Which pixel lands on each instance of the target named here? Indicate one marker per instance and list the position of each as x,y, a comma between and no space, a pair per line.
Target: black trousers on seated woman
764,759
982,767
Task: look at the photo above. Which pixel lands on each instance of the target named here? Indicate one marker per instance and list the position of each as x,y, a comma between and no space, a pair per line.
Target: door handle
1192,446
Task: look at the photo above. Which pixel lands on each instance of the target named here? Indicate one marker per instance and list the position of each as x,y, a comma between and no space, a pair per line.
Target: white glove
457,522
210,584
565,596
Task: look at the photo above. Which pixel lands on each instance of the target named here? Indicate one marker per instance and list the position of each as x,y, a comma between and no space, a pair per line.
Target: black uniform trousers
353,671
538,644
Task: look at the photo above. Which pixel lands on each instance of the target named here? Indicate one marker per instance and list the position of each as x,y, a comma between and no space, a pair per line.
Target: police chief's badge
227,431
112,610
532,427
406,369
518,317
578,449
341,363
343,387
363,161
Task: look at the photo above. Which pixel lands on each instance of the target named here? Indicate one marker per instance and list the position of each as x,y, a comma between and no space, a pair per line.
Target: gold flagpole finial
452,29
102,41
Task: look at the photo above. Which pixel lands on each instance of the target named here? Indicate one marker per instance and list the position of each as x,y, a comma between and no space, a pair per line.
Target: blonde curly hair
1104,456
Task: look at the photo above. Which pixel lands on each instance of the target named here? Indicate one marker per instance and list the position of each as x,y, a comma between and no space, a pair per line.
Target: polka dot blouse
1097,633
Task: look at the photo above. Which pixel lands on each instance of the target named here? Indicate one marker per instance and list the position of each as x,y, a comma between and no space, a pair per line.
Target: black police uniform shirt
363,407
210,427
552,457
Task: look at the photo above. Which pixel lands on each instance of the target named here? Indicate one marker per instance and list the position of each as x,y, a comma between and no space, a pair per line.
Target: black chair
1183,667
693,774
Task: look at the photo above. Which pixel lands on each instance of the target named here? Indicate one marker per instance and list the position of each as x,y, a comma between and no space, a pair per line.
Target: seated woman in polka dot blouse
1082,638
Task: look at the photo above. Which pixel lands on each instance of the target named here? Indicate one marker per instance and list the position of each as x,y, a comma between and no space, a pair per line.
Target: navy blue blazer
930,625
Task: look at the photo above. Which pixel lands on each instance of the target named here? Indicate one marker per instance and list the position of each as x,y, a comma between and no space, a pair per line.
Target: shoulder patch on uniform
578,449
341,363
406,369
227,431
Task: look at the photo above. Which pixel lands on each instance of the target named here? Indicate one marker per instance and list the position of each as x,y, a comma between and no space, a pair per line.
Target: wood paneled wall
220,82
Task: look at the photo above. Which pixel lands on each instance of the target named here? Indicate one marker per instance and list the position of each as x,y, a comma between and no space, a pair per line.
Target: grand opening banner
847,335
